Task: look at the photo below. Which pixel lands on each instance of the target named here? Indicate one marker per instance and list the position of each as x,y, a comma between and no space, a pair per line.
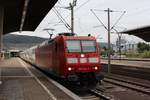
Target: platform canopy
143,33
13,13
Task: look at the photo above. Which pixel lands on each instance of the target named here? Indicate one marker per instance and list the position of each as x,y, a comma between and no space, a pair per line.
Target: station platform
140,64
130,59
21,81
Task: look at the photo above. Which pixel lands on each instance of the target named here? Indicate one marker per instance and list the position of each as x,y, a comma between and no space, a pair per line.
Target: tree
143,47
105,51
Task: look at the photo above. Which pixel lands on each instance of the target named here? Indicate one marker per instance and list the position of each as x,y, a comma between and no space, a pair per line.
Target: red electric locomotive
75,58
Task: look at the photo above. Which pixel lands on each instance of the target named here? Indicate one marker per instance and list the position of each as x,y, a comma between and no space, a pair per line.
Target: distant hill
21,42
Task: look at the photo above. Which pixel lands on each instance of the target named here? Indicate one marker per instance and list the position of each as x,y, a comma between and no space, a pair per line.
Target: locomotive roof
67,38
79,37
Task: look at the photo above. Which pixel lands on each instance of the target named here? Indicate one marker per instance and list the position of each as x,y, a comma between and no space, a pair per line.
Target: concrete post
1,28
1,34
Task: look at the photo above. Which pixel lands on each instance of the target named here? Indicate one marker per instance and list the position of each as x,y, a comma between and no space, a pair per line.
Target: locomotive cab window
73,46
80,46
88,46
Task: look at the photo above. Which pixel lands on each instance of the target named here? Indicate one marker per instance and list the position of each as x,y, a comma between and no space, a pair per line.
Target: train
68,57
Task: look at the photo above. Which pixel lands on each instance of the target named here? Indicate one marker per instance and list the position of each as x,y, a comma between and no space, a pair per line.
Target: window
88,46
73,46
81,46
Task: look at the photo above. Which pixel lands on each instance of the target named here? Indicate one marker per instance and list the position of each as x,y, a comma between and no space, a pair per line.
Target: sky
137,15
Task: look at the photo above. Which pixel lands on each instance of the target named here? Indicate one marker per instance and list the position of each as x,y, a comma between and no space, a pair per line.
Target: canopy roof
143,32
13,13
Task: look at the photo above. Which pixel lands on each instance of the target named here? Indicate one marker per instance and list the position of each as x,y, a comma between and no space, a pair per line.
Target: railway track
116,87
130,71
130,80
108,92
100,94
96,94
129,85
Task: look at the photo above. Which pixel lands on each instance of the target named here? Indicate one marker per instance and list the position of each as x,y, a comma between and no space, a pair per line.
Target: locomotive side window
73,46
88,46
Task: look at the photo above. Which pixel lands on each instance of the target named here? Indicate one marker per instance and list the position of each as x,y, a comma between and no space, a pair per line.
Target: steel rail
128,85
100,94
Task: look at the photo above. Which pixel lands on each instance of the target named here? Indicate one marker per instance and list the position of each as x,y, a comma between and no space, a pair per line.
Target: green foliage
132,55
145,54
143,47
104,48
105,51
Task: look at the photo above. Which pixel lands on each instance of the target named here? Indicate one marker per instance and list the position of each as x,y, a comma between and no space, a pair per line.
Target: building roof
143,33
13,11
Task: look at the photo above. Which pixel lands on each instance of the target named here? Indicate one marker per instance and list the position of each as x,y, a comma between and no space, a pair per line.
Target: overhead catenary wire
83,4
99,19
106,10
118,20
61,18
110,11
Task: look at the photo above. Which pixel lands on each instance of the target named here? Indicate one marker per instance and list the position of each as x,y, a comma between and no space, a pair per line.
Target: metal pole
119,47
125,48
109,57
72,17
1,34
1,29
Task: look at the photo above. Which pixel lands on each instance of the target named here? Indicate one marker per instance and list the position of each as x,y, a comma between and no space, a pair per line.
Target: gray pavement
20,81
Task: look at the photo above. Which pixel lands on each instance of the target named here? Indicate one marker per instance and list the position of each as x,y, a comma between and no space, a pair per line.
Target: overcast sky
137,15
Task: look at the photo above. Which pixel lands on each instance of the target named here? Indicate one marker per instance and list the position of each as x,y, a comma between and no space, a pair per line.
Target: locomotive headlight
72,60
93,60
69,68
96,68
82,55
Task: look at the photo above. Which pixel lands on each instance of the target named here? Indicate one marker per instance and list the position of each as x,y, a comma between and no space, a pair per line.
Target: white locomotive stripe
44,87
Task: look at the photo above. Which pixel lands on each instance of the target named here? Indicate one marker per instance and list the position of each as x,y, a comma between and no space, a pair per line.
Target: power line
106,10
99,19
78,7
61,18
82,5
118,20
123,12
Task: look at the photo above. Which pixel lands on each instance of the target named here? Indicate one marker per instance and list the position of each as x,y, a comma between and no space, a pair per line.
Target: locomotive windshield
73,46
81,46
88,46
